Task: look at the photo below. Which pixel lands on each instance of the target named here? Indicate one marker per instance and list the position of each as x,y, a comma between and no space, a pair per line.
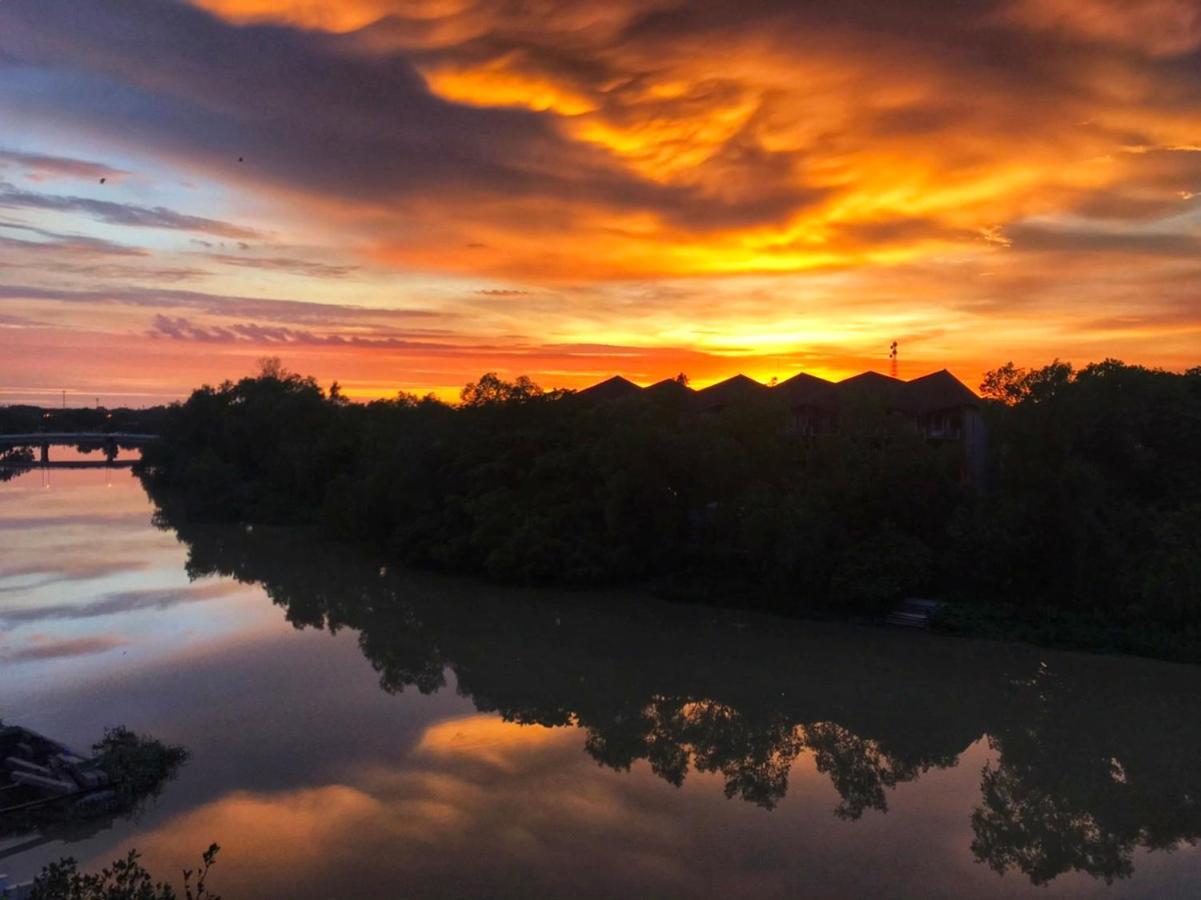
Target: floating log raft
37,772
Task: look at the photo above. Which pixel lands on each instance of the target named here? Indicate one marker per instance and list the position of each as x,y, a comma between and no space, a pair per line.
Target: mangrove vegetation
1089,510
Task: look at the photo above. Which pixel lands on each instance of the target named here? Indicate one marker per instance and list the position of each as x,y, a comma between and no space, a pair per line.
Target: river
358,732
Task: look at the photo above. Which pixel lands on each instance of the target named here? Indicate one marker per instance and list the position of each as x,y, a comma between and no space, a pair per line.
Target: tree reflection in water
15,462
1094,757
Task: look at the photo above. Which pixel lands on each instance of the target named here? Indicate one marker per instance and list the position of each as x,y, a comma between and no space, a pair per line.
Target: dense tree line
1097,503
27,419
1093,503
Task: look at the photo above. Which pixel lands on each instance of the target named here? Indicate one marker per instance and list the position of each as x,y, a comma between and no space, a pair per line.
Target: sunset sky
403,194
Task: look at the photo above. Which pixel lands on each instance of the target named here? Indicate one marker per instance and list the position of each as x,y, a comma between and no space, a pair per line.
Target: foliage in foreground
1094,501
124,879
137,766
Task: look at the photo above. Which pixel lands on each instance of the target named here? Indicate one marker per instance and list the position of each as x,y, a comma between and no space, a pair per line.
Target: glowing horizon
404,194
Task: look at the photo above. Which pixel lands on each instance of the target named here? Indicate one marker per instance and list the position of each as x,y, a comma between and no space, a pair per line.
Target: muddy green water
361,733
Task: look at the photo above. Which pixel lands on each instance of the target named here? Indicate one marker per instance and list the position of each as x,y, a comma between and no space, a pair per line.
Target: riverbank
1068,631
995,622
1087,528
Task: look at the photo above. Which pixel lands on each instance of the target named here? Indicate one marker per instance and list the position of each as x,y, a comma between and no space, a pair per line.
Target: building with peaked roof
615,388
730,392
670,388
941,406
812,402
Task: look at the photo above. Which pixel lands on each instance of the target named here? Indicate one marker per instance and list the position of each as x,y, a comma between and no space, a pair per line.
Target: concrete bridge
76,439
109,442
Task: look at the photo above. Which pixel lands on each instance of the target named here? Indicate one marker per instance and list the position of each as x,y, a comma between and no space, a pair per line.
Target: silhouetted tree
124,879
491,388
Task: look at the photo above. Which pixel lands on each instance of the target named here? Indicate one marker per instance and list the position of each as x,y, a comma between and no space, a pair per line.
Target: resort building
941,406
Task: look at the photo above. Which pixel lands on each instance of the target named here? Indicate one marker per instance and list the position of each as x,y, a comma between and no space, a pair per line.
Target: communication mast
892,359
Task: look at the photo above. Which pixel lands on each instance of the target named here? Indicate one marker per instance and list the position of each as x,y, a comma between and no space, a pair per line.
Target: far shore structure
939,405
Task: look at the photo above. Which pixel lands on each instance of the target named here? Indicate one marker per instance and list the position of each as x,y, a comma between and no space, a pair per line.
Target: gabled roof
929,393
733,390
804,389
871,379
615,388
871,384
938,390
669,387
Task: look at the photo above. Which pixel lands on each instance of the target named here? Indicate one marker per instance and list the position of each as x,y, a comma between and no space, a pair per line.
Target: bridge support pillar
45,454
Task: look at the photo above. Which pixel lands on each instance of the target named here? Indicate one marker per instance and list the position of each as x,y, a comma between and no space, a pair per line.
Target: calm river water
359,733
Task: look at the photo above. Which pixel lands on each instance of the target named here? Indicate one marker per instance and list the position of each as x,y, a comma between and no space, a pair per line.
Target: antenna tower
892,359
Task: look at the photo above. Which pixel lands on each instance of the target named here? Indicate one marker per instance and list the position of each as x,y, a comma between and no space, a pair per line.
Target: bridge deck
73,439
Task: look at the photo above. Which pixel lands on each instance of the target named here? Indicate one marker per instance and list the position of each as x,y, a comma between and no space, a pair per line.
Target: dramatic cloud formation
768,185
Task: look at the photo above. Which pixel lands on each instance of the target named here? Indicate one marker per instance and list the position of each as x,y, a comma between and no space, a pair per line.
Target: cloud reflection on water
646,729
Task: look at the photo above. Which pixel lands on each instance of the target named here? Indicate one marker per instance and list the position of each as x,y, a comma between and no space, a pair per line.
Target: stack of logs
36,771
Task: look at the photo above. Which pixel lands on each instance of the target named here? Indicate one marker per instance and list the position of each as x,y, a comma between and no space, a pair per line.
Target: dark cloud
1182,315
311,268
88,646
11,321
116,272
118,603
23,523
903,230
77,570
289,311
1163,181
68,244
515,347
118,213
180,328
1035,239
364,126
41,165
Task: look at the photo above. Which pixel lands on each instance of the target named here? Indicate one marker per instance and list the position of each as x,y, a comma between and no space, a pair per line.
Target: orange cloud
486,739
679,185
342,16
